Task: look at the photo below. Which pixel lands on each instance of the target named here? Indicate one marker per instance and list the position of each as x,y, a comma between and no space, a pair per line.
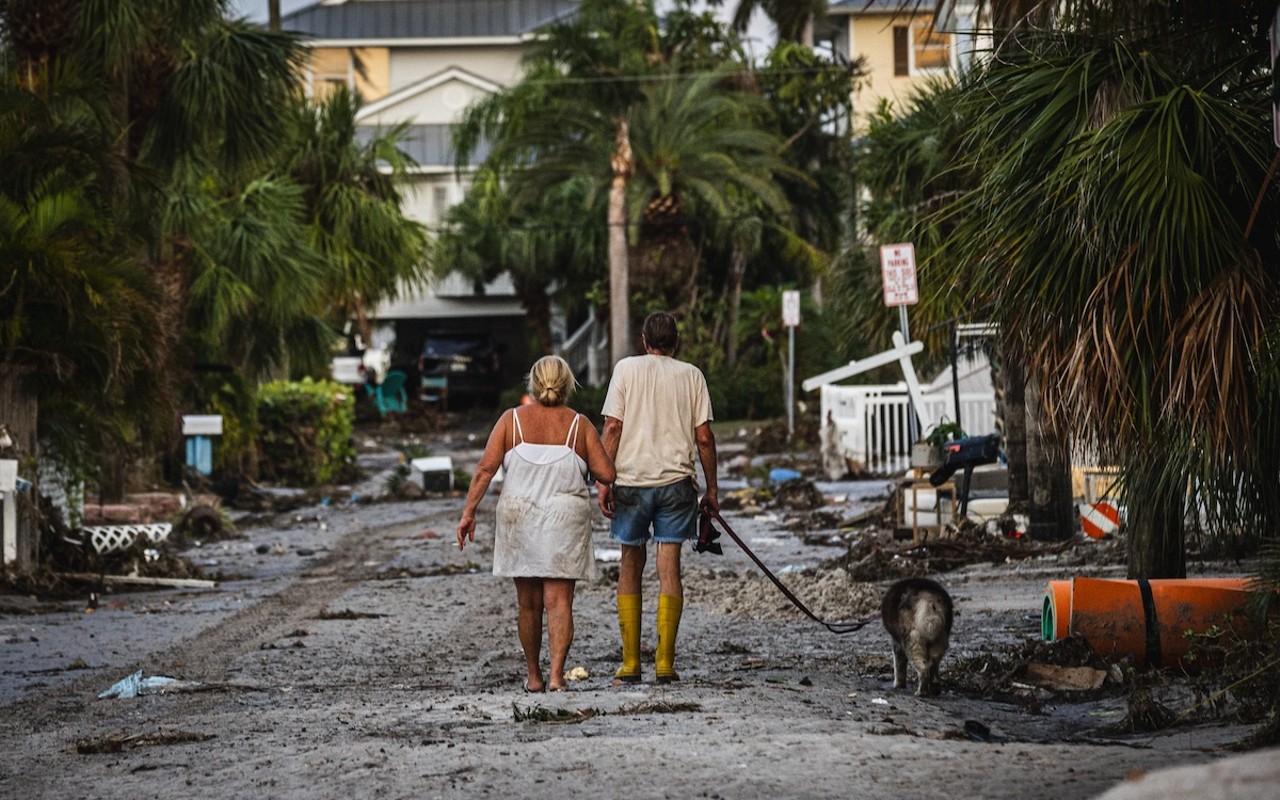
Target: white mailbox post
9,512
198,428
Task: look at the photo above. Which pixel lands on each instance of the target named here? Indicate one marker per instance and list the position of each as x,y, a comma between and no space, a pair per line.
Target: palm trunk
619,290
537,311
1155,510
733,303
1012,381
362,322
1050,510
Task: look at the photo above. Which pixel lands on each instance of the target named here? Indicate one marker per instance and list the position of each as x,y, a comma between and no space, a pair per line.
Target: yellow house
901,48
423,62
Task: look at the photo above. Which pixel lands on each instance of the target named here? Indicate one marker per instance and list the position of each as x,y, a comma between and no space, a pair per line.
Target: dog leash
707,535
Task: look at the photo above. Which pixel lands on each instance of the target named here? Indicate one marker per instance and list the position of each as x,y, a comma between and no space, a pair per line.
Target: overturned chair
390,395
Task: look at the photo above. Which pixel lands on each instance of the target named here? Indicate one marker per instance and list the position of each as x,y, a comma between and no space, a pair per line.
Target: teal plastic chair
435,390
391,395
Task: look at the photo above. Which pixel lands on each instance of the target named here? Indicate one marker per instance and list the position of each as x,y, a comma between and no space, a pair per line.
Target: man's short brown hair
660,332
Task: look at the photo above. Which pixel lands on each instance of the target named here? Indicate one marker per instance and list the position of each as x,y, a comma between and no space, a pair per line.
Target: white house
423,62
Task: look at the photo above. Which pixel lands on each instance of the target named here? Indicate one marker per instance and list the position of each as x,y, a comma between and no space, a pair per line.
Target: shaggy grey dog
917,614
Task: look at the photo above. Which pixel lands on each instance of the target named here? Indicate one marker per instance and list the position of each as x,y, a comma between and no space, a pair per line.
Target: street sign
791,308
898,268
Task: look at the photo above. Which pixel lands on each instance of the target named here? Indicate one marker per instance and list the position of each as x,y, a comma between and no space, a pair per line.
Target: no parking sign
898,268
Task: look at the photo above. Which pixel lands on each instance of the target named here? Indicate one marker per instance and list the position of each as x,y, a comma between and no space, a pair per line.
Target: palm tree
603,99
169,78
581,78
698,146
1122,227
353,205
546,249
793,18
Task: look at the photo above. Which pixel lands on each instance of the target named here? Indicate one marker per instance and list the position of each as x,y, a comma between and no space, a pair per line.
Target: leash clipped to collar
707,535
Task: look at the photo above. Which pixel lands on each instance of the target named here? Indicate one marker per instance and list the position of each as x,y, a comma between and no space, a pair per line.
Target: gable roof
425,19
425,85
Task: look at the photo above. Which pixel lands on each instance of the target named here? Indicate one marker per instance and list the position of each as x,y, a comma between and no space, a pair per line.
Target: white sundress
544,511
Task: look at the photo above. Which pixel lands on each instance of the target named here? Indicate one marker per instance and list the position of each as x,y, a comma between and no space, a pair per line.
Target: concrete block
433,473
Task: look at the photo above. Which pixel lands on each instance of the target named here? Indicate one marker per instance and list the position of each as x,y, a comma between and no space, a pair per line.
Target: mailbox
965,454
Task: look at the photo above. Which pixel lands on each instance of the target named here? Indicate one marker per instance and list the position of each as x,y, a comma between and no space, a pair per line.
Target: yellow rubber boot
664,656
629,628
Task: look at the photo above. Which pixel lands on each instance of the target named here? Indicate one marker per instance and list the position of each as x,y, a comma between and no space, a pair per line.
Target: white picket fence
870,424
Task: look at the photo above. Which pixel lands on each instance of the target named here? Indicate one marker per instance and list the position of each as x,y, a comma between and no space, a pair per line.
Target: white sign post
898,269
790,318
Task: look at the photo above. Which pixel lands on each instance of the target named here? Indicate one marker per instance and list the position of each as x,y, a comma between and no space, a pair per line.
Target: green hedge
304,431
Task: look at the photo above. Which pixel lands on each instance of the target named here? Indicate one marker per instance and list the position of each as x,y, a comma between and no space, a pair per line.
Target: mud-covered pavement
353,651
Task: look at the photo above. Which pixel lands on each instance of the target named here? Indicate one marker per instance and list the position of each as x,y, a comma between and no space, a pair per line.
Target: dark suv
469,361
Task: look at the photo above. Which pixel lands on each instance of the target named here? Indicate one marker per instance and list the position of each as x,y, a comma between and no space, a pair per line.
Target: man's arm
611,438
706,441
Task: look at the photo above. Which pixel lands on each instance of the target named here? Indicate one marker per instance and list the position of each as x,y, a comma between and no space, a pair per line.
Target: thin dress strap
571,440
515,415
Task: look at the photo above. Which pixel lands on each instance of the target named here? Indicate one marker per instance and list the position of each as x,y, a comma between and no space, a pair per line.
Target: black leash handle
841,627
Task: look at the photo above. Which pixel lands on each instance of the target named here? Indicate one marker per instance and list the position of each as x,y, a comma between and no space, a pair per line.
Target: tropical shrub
304,431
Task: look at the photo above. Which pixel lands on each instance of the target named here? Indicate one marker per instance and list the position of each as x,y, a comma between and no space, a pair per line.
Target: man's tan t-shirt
660,401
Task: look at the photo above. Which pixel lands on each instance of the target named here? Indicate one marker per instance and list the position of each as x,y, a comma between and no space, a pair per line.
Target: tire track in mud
206,655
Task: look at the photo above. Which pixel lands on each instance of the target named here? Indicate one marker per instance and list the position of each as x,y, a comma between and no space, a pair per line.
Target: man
657,418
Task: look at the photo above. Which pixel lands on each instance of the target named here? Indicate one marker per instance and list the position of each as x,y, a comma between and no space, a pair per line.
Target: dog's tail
931,619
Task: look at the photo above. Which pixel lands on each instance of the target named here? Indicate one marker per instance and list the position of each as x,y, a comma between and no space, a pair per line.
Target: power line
655,77
580,224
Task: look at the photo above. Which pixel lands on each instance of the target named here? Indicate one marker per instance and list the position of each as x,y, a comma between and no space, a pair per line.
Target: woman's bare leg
529,594
558,596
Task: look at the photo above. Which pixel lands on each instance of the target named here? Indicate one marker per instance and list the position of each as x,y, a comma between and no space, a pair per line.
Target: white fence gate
870,424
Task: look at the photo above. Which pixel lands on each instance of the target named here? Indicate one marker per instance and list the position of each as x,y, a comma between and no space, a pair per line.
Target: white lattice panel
109,538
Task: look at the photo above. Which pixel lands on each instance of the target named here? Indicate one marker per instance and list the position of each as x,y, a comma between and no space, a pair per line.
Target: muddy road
353,651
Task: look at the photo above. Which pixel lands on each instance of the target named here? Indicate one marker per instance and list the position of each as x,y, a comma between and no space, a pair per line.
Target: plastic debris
782,475
135,685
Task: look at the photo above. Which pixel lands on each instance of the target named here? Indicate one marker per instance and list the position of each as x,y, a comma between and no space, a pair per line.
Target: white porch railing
587,351
871,422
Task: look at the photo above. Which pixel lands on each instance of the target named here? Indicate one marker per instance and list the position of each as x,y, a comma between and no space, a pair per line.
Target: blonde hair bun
551,381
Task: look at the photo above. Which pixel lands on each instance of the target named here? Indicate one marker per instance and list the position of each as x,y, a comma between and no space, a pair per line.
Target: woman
543,540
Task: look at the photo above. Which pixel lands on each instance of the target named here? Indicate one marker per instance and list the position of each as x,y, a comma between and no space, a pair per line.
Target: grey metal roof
421,19
429,145
880,6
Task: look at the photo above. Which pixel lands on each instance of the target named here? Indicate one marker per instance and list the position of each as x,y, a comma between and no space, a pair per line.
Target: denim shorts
667,513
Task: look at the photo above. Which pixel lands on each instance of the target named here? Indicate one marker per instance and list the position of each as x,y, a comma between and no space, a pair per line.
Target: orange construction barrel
1149,620
1055,613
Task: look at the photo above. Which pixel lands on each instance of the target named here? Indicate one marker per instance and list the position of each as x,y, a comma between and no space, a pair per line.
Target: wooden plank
182,583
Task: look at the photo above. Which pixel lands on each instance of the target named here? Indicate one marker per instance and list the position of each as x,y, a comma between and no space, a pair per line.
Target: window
901,51
365,69
920,48
440,201
932,47
330,67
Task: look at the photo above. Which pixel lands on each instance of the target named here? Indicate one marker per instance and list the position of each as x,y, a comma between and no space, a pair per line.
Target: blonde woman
548,453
